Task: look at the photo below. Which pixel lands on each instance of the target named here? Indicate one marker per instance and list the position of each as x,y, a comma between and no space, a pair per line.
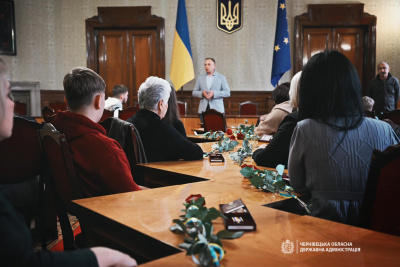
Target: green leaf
225,234
176,228
280,168
257,181
280,185
212,214
185,246
234,143
209,228
199,202
180,223
269,176
247,172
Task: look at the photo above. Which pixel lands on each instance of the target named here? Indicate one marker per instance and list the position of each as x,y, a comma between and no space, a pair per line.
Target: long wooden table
138,223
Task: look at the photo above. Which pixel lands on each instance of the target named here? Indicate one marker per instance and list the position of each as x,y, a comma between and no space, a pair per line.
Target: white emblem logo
287,247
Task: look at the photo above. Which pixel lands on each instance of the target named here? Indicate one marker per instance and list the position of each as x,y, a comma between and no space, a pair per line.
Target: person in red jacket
100,163
16,245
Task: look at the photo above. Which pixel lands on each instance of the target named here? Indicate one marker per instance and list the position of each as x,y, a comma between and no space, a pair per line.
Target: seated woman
172,115
161,141
269,122
332,144
16,245
277,151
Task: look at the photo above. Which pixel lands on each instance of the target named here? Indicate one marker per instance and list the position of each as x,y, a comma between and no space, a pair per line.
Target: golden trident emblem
229,20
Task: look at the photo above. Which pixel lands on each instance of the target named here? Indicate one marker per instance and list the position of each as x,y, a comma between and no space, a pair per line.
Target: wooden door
125,45
350,42
347,40
126,57
342,27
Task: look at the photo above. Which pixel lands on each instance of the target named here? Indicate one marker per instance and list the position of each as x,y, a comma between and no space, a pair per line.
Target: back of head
281,93
294,90
368,103
330,91
152,91
80,85
119,90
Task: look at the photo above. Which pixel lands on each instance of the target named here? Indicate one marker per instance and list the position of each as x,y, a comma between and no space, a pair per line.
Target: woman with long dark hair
172,115
332,144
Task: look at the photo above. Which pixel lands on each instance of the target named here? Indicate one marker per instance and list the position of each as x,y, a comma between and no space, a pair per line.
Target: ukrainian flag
182,70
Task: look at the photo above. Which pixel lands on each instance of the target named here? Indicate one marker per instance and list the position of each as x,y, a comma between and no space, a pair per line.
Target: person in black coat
161,141
277,151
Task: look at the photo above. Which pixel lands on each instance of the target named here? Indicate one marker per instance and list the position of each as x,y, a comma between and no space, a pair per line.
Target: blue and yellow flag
182,70
281,61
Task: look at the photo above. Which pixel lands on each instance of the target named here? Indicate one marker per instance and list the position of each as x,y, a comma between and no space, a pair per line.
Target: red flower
251,166
232,137
194,198
229,131
240,136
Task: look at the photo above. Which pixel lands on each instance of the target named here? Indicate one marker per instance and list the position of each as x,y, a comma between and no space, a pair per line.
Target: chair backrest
20,108
60,173
380,208
48,114
214,121
20,157
127,113
107,114
248,108
127,136
393,115
182,107
58,106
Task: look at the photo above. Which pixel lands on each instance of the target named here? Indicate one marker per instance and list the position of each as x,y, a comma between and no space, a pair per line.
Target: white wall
51,37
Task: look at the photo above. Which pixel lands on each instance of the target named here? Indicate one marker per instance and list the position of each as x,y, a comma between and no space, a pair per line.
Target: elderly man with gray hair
384,89
161,141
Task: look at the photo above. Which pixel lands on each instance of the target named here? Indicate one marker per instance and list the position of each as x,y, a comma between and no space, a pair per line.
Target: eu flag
281,60
182,70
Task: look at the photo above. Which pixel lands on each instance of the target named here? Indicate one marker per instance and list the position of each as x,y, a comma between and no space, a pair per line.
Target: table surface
150,212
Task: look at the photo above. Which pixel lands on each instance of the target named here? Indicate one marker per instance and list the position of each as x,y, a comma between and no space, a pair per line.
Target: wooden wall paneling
263,98
49,97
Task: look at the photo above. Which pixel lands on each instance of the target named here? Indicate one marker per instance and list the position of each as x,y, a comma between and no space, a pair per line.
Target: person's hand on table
107,257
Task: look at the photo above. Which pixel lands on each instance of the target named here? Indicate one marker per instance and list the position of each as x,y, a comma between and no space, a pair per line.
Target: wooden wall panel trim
264,100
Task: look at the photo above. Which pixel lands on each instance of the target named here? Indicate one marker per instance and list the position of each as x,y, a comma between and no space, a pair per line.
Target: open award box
238,216
216,157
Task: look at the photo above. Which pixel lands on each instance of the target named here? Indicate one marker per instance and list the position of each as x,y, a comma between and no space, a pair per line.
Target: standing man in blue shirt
211,87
